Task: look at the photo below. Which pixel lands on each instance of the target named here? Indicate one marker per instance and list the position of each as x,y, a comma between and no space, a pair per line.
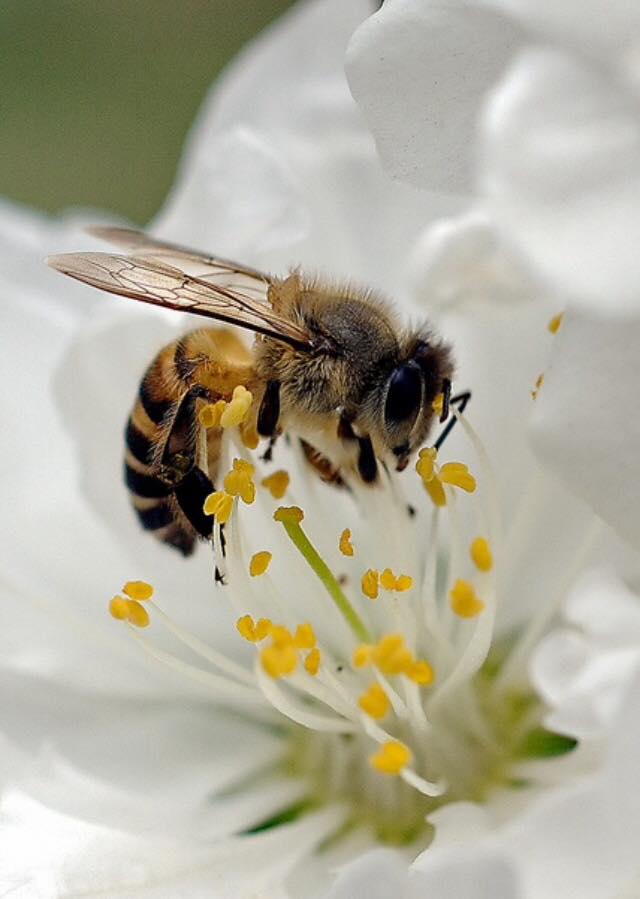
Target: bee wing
201,265
146,279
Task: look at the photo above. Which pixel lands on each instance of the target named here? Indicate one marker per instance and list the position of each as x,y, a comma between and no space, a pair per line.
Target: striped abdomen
163,452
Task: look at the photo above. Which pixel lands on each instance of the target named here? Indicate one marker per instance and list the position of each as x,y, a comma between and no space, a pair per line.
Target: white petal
378,874
472,873
605,608
585,426
419,72
562,176
49,855
157,766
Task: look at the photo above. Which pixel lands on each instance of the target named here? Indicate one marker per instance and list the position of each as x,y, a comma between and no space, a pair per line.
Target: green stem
317,563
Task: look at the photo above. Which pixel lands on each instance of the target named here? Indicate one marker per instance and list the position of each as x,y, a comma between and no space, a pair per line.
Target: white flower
551,88
183,760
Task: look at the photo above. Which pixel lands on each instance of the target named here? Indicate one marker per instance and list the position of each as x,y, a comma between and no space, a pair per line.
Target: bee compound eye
404,395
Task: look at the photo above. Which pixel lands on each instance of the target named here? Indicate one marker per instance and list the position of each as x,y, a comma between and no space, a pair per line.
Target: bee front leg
269,411
367,464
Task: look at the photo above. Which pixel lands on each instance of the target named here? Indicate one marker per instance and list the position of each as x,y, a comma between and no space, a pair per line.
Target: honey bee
330,365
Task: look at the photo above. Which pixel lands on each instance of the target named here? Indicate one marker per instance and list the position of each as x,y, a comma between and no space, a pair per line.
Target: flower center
372,643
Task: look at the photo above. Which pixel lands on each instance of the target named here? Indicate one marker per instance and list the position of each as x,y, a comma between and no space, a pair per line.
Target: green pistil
322,570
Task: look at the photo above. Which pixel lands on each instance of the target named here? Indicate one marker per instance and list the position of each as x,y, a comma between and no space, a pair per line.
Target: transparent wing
151,281
224,272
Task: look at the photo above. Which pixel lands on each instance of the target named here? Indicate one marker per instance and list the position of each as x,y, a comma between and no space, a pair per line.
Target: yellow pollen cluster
259,563
220,505
238,482
227,415
391,758
454,473
375,702
555,323
537,386
131,609
438,404
288,514
280,658
480,553
253,631
391,656
372,580
345,544
249,435
276,483
464,600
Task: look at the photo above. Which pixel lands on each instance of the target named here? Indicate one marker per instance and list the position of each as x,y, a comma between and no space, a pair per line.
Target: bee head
409,392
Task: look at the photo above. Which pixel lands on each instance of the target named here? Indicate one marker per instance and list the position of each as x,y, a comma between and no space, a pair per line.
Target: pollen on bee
464,601
345,544
392,758
209,416
438,404
276,483
259,563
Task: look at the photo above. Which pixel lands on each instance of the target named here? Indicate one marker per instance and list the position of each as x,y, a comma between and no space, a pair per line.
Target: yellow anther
289,514
252,631
263,628
239,481
119,608
361,655
426,464
139,590
276,483
537,386
554,324
305,637
457,474
209,416
249,435
436,491
375,702
370,583
312,662
246,628
464,600
438,404
480,552
391,655
235,411
279,660
346,546
421,673
282,636
387,580
259,563
137,614
219,504
403,583
391,758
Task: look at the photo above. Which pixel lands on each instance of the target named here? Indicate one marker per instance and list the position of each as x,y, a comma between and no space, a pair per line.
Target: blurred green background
96,96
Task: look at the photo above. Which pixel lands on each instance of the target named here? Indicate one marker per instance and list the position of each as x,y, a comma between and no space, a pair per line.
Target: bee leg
267,456
322,466
460,400
367,464
269,411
